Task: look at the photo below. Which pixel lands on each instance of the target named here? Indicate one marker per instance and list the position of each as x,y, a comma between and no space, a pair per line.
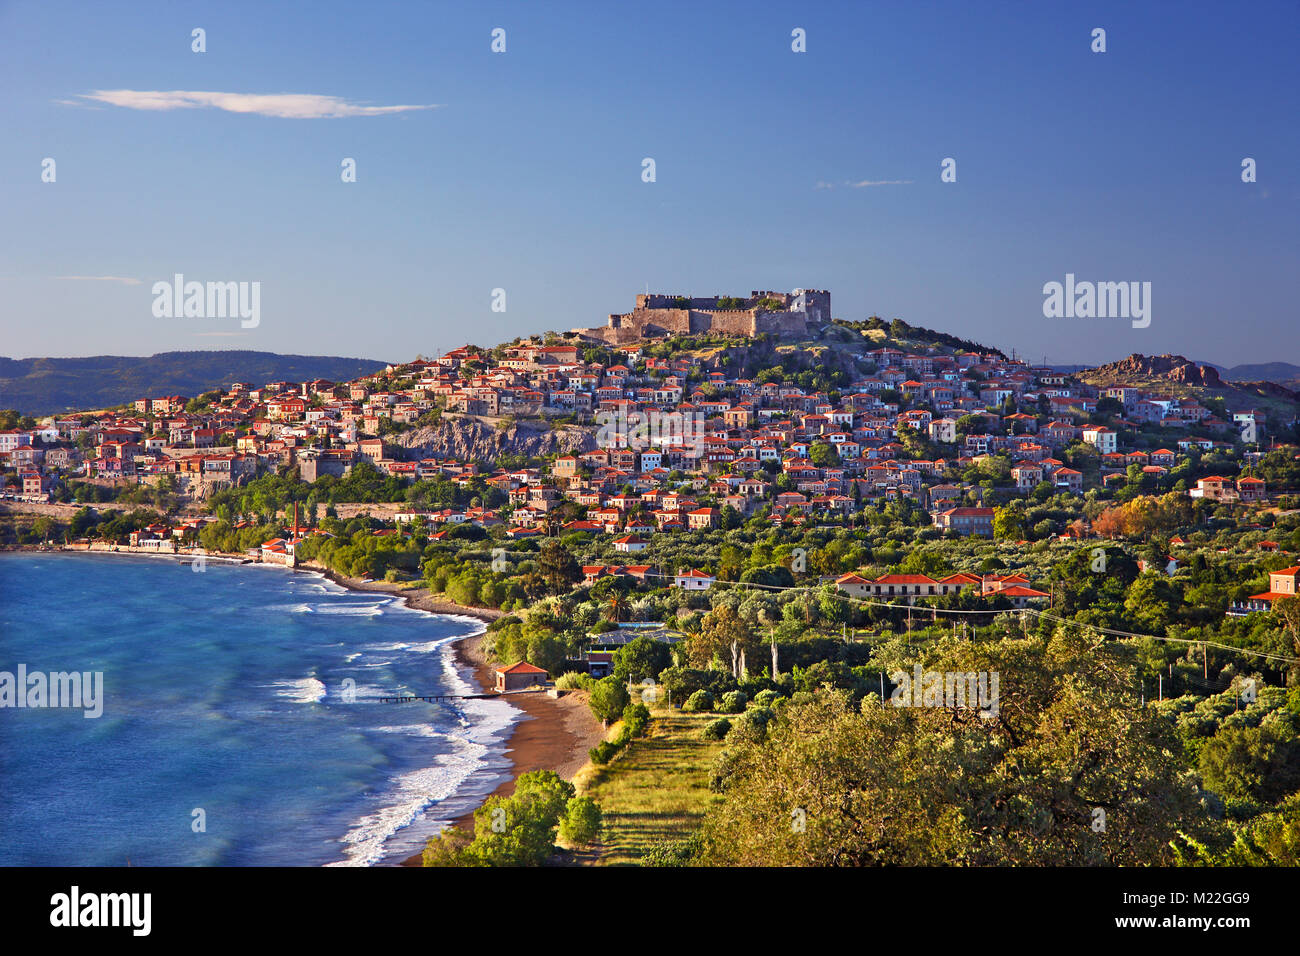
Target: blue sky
525,174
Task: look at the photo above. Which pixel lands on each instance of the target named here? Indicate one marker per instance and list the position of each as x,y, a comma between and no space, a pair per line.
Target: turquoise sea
247,692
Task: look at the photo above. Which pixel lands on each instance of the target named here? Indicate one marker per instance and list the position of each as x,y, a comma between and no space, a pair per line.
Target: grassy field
657,789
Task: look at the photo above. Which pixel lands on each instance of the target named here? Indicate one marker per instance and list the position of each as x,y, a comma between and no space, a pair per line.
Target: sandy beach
554,734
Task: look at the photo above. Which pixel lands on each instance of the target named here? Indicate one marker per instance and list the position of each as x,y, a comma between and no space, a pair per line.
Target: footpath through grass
656,789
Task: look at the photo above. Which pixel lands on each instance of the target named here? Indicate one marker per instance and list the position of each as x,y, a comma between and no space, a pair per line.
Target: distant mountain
1282,373
47,386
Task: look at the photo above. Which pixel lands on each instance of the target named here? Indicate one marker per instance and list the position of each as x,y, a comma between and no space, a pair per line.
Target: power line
994,611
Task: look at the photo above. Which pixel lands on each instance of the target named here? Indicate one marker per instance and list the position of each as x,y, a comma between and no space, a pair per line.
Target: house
1281,584
853,585
630,543
519,676
965,521
693,580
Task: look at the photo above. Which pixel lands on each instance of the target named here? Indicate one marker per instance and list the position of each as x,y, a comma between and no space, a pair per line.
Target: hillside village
953,432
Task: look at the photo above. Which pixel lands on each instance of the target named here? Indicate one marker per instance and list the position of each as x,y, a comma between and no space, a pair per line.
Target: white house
693,580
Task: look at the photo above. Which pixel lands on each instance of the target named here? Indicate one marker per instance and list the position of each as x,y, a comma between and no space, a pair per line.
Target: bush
673,852
581,823
717,729
636,718
732,702
575,680
699,701
603,752
766,698
752,724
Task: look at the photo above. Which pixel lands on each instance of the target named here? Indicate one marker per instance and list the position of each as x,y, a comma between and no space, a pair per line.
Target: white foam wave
308,690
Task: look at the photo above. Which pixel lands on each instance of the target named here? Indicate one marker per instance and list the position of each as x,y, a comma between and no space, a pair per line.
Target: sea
241,722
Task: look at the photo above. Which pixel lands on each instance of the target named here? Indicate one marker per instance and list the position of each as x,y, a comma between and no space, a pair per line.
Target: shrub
636,718
717,729
603,752
766,698
752,724
581,822
732,702
672,852
701,700
574,680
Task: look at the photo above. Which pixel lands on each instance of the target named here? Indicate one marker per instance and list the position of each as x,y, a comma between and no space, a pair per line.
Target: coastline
553,733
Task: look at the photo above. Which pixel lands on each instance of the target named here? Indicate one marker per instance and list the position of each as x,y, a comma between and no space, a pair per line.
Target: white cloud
862,184
282,105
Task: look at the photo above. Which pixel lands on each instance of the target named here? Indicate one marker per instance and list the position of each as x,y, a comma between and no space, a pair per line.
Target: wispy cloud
281,105
125,280
864,183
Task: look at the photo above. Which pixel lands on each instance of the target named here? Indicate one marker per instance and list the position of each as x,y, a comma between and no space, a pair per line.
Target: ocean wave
412,794
308,690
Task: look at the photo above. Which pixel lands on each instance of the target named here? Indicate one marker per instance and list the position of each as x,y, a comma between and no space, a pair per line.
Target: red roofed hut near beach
518,676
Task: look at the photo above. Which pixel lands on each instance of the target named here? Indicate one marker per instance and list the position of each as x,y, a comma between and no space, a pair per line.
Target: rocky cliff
1175,368
468,439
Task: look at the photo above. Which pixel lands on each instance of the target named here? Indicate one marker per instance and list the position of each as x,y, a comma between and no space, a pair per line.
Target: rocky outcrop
1175,368
469,439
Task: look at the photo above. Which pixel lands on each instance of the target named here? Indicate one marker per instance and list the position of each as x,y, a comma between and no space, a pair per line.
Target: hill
1176,375
46,386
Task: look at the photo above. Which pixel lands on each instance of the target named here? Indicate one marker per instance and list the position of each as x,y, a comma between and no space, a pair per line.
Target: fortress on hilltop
656,315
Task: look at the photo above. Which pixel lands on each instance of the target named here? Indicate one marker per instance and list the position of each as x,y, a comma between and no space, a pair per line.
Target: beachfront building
518,676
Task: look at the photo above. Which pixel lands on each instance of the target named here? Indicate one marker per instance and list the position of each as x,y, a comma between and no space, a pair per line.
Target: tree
641,658
723,632
1008,524
840,785
581,823
608,698
557,567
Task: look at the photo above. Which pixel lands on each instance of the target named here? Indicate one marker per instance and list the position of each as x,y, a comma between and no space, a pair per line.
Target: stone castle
779,313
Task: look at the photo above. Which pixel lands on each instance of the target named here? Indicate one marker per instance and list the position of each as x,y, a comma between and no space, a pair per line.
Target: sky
524,171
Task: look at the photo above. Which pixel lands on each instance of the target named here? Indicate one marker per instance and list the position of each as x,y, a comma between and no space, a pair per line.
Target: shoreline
553,733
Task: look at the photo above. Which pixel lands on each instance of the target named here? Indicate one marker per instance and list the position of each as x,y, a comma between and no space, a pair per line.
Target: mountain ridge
46,386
